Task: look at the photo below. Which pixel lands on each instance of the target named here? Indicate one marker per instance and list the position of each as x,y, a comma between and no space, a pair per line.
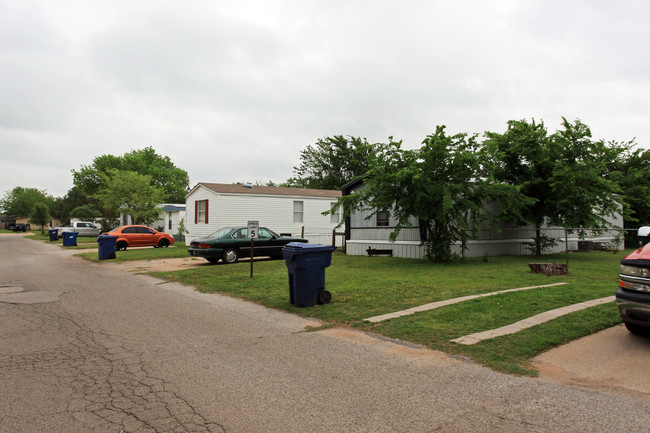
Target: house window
335,217
382,219
170,222
201,212
298,211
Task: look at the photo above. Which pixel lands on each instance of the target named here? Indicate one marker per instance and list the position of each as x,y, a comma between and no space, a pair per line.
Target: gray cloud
234,92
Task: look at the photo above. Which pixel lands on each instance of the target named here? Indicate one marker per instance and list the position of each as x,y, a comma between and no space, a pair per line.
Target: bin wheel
324,297
230,256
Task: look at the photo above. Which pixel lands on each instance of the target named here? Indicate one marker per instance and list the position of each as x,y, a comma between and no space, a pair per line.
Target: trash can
54,235
306,265
70,239
106,246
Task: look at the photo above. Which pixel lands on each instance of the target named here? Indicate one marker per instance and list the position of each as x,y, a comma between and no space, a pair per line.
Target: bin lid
100,237
302,247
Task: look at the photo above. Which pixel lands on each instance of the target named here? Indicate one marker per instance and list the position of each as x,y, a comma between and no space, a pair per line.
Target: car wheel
230,256
121,246
637,329
212,260
164,243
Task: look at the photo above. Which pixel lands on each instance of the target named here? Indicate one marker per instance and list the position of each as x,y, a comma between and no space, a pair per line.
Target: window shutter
196,211
206,211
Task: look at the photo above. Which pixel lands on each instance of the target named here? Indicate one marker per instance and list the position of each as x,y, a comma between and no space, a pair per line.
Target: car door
147,236
131,235
266,244
241,242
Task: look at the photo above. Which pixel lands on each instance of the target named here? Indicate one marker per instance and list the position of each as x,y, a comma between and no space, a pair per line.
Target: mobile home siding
274,211
195,229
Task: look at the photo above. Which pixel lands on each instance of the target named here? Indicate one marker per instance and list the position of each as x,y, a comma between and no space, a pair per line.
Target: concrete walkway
530,321
434,305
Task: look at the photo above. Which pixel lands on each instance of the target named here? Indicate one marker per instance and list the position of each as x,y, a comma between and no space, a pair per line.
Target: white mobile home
362,233
211,206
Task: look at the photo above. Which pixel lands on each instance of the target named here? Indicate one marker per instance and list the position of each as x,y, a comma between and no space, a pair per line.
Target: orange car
140,236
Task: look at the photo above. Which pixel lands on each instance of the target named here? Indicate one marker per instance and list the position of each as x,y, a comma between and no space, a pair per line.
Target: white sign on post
253,228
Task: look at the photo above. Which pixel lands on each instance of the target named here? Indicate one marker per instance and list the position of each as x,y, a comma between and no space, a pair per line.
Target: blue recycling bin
106,246
306,265
70,239
54,235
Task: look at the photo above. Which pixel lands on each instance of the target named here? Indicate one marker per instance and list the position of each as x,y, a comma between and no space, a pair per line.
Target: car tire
164,243
121,246
231,255
637,329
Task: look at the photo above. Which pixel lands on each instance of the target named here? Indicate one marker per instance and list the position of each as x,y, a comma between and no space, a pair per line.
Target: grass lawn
179,249
362,287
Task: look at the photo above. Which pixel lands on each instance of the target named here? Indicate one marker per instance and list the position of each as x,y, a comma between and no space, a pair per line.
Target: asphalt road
89,348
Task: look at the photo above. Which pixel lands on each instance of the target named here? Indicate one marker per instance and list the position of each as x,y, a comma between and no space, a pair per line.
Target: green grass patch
363,287
83,242
177,250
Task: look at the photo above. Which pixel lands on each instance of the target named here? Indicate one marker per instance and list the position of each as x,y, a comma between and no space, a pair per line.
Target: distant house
172,216
211,206
362,233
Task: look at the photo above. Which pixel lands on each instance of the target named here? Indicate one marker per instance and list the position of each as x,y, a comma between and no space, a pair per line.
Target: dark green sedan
230,243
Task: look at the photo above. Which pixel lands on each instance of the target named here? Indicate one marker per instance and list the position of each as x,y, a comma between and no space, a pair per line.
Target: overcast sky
233,91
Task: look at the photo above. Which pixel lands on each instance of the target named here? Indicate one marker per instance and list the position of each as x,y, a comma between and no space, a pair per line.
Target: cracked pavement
117,352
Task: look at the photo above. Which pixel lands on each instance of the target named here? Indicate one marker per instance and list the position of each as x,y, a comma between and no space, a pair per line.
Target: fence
333,238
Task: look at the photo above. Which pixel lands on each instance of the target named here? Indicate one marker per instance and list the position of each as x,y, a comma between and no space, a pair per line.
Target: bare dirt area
161,265
610,360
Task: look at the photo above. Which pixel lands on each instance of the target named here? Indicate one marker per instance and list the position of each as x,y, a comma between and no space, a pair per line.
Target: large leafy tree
21,201
633,170
170,180
440,184
567,174
75,204
40,215
131,193
332,162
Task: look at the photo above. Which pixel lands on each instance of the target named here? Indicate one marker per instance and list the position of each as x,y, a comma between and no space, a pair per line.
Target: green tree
84,212
439,184
21,201
632,168
40,215
131,193
171,181
332,162
64,207
567,174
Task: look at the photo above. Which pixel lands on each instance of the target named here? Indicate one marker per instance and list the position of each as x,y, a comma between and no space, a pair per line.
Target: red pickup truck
633,294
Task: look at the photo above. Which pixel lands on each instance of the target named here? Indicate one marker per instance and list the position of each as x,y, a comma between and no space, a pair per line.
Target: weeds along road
88,348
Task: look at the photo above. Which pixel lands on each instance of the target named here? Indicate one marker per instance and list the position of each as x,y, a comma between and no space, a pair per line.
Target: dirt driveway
611,360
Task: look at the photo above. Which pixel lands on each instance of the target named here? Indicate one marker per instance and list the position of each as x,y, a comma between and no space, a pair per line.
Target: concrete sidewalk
434,305
531,321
